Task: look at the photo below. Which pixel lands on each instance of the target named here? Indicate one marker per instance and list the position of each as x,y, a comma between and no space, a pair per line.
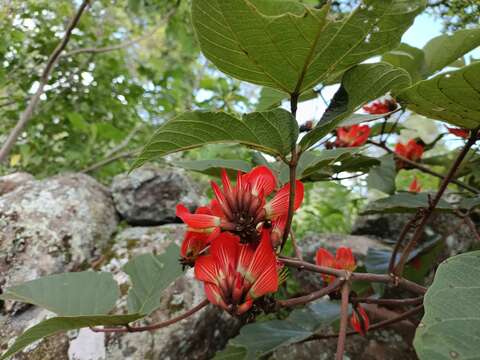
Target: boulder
12,181
53,225
149,195
197,337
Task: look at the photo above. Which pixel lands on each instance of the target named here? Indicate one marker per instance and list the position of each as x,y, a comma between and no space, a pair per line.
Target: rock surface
149,195
197,337
52,226
12,181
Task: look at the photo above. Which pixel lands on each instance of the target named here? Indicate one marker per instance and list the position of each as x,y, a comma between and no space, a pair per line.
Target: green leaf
262,338
408,58
445,49
355,119
271,98
292,47
404,202
453,97
69,294
274,132
62,324
360,85
469,203
231,353
150,275
450,328
382,177
214,167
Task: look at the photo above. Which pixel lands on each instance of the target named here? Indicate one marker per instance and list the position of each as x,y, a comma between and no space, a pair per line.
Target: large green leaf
150,275
292,47
404,202
360,85
262,338
409,58
69,294
382,177
450,328
214,167
61,324
453,97
443,50
274,132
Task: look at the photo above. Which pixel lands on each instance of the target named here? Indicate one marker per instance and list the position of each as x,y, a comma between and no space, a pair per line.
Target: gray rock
12,181
197,337
54,225
149,195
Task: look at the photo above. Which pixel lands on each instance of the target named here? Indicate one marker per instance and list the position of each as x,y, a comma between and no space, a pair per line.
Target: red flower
240,209
343,259
193,245
359,320
463,133
381,107
353,136
412,150
236,274
415,186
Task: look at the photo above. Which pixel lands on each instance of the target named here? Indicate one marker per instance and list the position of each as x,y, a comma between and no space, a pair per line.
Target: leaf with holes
150,275
69,294
292,47
450,328
273,132
453,97
360,84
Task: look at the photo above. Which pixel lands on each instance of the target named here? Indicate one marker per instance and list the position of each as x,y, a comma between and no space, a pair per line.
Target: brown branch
388,302
109,160
429,211
125,44
468,220
380,278
157,326
298,252
342,334
398,244
379,325
302,300
423,168
32,104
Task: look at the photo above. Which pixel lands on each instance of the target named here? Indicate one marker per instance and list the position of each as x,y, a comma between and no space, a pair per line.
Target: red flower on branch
381,107
415,186
352,136
411,150
463,133
242,207
343,259
359,320
235,274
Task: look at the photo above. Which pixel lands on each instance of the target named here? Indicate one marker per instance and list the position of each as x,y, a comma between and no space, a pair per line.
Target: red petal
324,258
463,133
345,259
214,295
261,179
227,185
279,204
193,244
206,269
267,282
198,220
225,249
278,227
263,260
359,320
245,258
415,186
244,307
400,149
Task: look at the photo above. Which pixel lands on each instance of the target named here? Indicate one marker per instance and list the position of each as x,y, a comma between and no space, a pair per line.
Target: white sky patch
87,78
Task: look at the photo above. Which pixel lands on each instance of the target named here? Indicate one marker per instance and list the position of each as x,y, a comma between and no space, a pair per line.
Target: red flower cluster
415,186
381,107
352,136
359,320
411,150
463,133
231,241
343,259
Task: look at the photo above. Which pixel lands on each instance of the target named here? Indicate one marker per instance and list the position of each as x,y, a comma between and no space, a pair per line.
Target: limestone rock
149,195
12,181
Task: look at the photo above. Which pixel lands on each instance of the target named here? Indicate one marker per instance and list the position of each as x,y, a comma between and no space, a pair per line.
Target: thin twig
429,211
302,300
388,302
298,252
125,141
125,44
398,244
129,328
424,168
109,160
342,334
32,104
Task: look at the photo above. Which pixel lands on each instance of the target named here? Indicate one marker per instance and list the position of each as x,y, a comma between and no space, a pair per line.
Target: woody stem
343,321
